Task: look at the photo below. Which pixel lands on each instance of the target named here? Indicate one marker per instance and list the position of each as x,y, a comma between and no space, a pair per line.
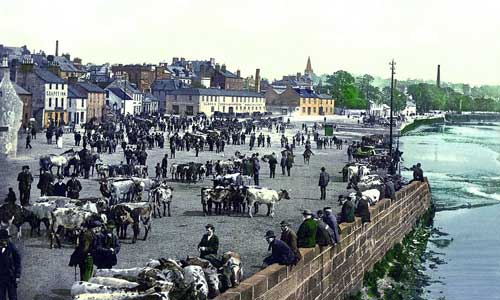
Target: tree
399,100
342,86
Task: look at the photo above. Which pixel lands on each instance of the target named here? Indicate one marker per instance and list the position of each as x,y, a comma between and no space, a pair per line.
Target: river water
462,163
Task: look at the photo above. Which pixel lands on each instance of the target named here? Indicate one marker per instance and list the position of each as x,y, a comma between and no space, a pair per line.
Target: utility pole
393,68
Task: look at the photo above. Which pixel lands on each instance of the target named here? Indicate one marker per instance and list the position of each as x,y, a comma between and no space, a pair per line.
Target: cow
161,196
195,277
114,282
131,272
67,218
232,269
357,170
121,190
134,214
43,207
120,295
368,182
372,196
255,196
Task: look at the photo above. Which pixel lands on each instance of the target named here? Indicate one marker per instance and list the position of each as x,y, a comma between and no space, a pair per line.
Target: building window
314,109
175,109
50,102
69,102
190,98
50,86
82,117
212,109
57,102
62,86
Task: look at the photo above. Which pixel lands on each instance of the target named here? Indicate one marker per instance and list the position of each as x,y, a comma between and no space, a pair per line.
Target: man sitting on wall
281,253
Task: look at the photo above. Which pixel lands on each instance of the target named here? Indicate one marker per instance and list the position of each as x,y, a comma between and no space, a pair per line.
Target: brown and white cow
256,196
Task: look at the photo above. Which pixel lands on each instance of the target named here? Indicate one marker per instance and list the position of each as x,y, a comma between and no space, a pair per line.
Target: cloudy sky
360,36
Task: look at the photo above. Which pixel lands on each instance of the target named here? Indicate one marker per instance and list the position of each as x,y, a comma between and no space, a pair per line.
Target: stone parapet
338,271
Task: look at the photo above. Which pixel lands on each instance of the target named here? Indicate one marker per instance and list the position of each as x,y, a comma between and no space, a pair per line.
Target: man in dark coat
106,247
209,244
323,235
45,183
10,267
280,252
59,188
290,238
347,212
82,256
272,166
283,163
74,187
362,210
289,163
25,179
330,220
324,179
255,168
418,173
306,235
164,166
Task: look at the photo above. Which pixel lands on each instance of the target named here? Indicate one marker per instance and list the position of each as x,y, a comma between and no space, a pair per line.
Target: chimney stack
438,82
238,73
257,80
57,48
298,75
217,67
223,68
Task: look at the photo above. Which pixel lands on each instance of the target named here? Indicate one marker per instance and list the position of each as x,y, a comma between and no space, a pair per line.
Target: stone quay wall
335,272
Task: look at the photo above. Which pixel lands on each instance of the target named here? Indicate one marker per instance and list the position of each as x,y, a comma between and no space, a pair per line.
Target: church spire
309,70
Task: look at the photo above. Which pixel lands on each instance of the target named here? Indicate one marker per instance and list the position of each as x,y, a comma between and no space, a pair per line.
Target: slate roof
119,93
124,84
20,90
90,87
47,76
228,74
73,92
324,96
66,65
167,85
216,92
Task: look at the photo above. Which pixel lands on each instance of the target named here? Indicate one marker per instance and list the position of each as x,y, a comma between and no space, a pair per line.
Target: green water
462,163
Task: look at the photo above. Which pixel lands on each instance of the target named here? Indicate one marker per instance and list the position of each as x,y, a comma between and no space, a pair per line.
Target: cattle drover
209,245
10,267
25,179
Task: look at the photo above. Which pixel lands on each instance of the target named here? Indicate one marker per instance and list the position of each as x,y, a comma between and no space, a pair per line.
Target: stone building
295,101
163,87
26,98
96,98
192,101
65,68
123,97
142,76
226,80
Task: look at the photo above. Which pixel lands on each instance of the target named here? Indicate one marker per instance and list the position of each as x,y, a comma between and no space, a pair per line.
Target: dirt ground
46,274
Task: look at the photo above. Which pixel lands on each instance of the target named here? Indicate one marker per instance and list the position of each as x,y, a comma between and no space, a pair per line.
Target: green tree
342,87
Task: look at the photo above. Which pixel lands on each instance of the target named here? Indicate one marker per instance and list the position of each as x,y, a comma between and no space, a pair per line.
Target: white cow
264,196
68,218
114,282
124,296
373,196
131,272
358,169
161,196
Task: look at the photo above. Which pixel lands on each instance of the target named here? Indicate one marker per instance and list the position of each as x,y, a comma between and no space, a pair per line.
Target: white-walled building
77,106
410,109
123,97
193,100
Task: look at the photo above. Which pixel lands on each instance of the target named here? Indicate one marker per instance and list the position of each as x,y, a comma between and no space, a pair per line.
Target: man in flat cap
290,238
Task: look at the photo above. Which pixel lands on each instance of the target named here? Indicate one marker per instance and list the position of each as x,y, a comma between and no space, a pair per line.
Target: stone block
338,259
273,273
258,285
304,273
228,295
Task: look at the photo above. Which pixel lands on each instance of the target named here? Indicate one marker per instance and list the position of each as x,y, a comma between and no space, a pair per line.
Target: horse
307,156
47,162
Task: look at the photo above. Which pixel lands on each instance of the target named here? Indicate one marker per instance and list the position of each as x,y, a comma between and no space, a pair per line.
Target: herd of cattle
163,279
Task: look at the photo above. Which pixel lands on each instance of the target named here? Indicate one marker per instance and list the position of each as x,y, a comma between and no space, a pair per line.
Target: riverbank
420,122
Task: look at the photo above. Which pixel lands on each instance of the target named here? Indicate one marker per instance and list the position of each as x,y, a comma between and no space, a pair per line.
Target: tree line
355,92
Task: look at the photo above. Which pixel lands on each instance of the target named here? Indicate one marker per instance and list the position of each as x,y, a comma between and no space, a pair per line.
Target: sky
277,36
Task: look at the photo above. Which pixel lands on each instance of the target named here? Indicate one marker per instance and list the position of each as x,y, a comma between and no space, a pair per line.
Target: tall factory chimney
438,81
57,48
257,80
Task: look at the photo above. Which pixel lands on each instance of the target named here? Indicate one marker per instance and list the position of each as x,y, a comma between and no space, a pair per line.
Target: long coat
347,213
290,238
324,179
331,221
363,211
59,189
103,256
323,236
25,180
306,235
74,187
281,254
10,264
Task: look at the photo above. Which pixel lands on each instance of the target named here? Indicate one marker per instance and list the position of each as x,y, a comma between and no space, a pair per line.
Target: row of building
58,90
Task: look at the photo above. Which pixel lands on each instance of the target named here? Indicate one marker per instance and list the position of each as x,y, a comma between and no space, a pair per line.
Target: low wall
420,122
338,271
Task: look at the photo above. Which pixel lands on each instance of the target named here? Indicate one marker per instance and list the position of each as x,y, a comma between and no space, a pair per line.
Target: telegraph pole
393,68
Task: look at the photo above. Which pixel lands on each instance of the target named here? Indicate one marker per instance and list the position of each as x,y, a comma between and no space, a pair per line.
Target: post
393,68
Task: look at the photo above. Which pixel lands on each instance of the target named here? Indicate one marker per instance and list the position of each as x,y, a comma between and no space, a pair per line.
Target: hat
327,208
60,177
270,234
323,168
4,234
26,167
73,175
284,223
307,212
210,226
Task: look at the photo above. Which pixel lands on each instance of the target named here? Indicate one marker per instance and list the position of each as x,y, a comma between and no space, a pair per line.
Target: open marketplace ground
46,274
